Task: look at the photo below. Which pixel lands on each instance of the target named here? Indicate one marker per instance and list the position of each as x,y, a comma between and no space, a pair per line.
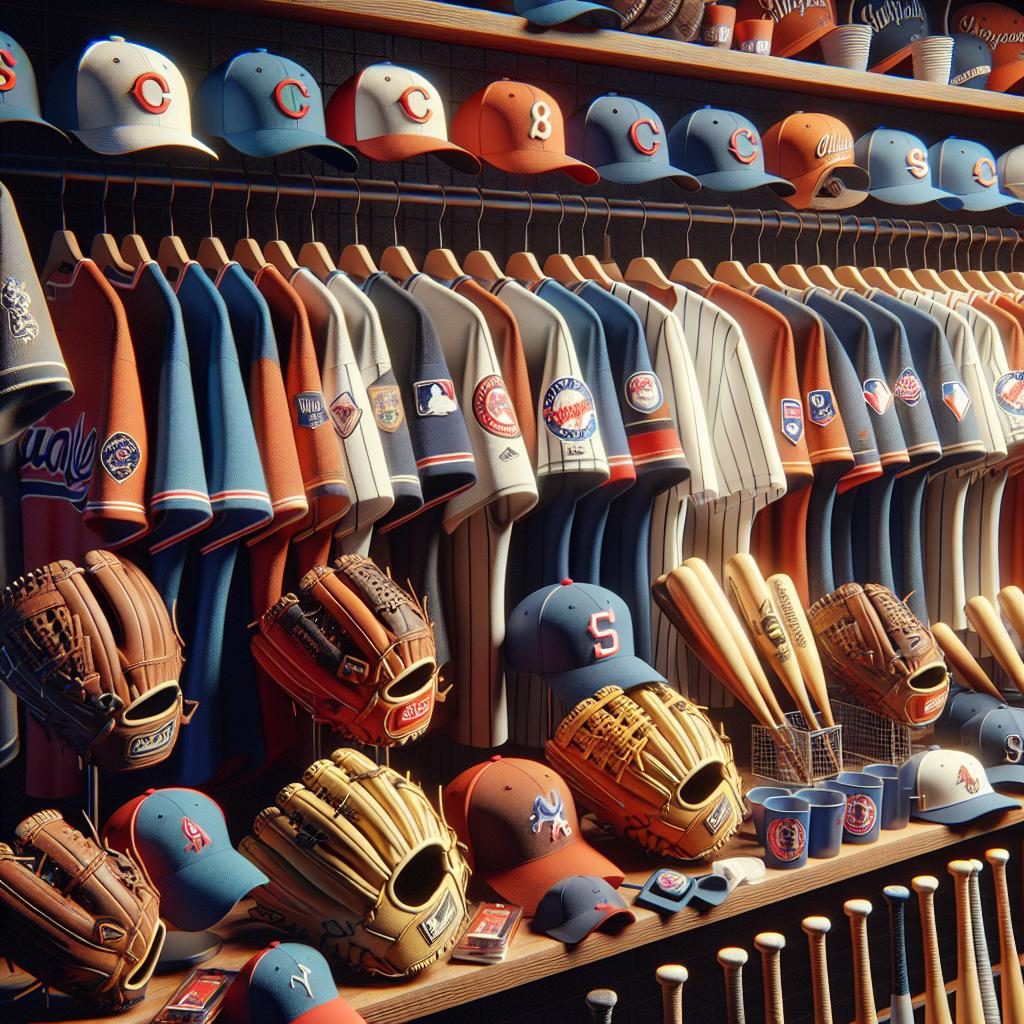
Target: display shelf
465,26
533,956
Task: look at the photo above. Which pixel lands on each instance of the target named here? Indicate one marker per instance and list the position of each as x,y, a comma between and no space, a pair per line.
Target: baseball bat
816,929
863,992
1011,600
1011,982
601,1002
794,619
987,624
771,945
965,665
969,1009
936,1002
732,960
986,981
671,978
901,1008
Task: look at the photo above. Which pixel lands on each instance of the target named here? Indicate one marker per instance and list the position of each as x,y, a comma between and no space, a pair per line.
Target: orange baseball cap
799,24
517,128
815,153
1003,29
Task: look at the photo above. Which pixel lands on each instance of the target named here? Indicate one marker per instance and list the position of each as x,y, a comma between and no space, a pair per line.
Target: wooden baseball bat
936,1002
671,978
969,1009
965,665
1011,600
982,616
771,945
901,1008
863,993
794,618
601,1002
816,928
986,981
1011,982
732,960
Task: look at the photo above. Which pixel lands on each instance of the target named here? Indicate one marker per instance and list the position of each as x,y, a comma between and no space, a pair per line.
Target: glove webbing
616,740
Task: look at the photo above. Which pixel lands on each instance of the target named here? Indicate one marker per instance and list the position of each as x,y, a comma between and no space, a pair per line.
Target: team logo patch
152,93
643,391
439,920
970,782
386,405
672,883
550,811
345,414
435,397
861,814
955,395
493,408
744,145
196,836
354,668
20,321
1010,392
302,979
569,409
821,407
151,742
120,455
415,104
309,406
286,100
110,932
792,420
923,709
648,148
786,838
908,387
718,817
877,395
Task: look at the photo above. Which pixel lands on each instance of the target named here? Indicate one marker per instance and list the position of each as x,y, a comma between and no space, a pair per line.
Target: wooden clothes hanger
604,271
104,252
875,275
794,274
314,255
480,262
644,270
731,271
849,275
64,253
1016,277
952,279
355,258
996,276
979,279
764,273
441,262
247,252
821,274
558,265
277,251
690,270
171,254
211,254
523,266
134,250
396,260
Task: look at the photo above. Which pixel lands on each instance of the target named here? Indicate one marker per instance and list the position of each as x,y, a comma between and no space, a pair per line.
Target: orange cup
755,36
716,30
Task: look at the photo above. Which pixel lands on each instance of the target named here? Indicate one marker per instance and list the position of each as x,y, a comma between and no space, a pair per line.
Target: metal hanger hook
312,208
799,235
643,227
479,217
248,199
1000,241
760,233
170,202
355,212
732,230
106,192
558,226
906,244
398,207
529,221
209,202
440,220
689,228
817,239
277,199
1013,248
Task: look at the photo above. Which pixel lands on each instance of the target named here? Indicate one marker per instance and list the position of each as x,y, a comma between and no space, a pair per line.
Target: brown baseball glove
77,917
360,866
95,657
355,650
651,764
874,645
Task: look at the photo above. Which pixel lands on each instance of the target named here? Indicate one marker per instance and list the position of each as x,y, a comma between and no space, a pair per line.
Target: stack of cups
755,36
787,822
847,47
864,795
933,58
828,812
719,20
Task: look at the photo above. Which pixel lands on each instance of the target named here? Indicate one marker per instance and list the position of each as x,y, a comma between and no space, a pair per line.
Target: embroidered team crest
493,408
550,811
955,395
569,410
16,301
1010,392
435,397
792,420
821,407
877,395
970,782
386,405
120,455
345,414
309,407
643,392
718,816
908,387
195,834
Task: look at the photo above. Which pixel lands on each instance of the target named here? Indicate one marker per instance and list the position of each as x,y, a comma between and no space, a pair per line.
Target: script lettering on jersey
778,9
66,454
971,26
892,12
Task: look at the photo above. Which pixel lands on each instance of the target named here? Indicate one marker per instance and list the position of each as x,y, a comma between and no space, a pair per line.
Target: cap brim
394,148
580,927
740,181
536,161
120,139
977,202
1003,79
579,683
914,195
197,897
1007,776
893,60
640,172
567,10
270,142
969,810
806,41
22,115
337,1011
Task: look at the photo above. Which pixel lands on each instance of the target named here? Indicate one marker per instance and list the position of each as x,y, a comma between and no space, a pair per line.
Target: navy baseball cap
625,140
574,907
578,637
950,787
961,706
897,163
723,151
265,105
286,983
180,837
894,27
996,736
972,62
546,13
19,94
968,171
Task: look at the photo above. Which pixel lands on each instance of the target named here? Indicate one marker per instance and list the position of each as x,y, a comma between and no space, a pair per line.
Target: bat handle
601,1002
732,960
864,997
771,945
936,1000
816,929
969,1008
1010,979
982,960
902,1009
671,978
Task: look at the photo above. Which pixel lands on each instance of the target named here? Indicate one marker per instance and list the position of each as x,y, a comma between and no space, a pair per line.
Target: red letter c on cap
139,92
747,136
405,101
634,136
985,172
8,77
303,108
600,651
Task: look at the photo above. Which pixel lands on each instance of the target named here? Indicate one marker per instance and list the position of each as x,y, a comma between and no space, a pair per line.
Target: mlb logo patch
345,414
309,408
877,395
435,397
1010,392
643,392
955,395
120,455
821,407
792,420
908,387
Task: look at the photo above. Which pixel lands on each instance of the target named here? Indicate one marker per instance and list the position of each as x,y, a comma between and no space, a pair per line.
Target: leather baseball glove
360,866
355,650
873,644
95,657
77,917
651,764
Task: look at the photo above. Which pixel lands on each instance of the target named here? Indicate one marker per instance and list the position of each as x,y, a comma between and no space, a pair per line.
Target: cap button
149,792
495,757
275,944
117,39
259,49
567,582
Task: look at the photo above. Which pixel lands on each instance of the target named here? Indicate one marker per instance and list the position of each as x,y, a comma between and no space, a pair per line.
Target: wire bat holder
870,738
818,751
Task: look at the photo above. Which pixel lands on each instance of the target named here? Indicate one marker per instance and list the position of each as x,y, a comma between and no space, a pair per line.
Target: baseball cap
517,128
119,97
996,736
286,983
968,171
556,12
578,637
723,151
181,839
897,165
576,906
815,153
894,27
1003,29
798,26
625,141
961,706
950,787
1011,171
19,94
519,822
972,62
265,105
392,113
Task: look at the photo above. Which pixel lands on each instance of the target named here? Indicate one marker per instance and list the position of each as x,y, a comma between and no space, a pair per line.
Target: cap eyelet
259,71
116,60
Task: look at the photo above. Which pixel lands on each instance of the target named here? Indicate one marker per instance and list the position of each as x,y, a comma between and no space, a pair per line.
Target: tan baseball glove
651,764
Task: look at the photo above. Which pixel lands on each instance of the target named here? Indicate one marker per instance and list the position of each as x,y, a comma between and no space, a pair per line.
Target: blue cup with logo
862,821
787,820
828,809
895,801
757,797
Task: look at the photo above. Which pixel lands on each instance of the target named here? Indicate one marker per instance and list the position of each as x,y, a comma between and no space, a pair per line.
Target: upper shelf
427,19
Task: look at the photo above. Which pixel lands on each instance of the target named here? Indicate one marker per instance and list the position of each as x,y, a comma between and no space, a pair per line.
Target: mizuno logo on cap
300,110
152,92
743,145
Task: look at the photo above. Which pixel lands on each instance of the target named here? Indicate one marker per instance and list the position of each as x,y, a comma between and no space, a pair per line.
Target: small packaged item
490,933
198,998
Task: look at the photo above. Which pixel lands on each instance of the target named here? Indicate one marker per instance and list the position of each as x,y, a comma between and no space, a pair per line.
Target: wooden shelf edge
427,19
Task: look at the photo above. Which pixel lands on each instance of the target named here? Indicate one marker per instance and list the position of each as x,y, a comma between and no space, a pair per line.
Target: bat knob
896,893
816,925
732,956
997,856
769,942
671,974
925,883
962,868
601,998
857,908
977,865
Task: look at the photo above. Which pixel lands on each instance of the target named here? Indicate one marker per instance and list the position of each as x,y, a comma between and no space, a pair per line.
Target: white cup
933,58
847,46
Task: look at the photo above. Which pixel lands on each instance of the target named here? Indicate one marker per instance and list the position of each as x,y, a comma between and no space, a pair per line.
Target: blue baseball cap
723,151
546,13
972,62
180,837
961,706
897,163
950,787
996,736
968,171
286,983
19,94
625,140
894,27
574,907
265,105
578,637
